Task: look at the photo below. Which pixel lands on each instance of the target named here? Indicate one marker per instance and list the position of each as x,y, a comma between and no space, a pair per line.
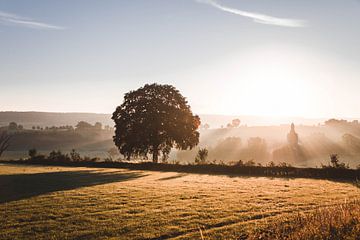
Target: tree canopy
152,120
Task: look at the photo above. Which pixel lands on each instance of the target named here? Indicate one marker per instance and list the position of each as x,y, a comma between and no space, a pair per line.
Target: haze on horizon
269,58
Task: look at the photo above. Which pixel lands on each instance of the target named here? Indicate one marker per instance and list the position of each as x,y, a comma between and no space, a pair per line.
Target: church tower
292,136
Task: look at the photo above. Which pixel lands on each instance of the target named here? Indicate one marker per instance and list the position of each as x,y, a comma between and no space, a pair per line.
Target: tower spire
292,136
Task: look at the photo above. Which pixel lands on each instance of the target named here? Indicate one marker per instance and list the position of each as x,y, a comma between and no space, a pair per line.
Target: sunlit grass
88,203
341,221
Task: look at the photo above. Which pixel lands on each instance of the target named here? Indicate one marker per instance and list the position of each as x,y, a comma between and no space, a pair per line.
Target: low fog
262,144
248,138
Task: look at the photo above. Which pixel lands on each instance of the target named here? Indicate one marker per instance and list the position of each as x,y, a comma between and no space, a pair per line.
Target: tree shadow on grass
22,186
179,175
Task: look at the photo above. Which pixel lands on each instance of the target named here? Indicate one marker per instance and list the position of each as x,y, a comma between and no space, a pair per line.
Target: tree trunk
155,155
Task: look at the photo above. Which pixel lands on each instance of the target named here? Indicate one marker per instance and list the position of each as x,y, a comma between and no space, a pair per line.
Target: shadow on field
179,175
22,186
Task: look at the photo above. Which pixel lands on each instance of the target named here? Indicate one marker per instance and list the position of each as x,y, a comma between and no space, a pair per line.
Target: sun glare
273,82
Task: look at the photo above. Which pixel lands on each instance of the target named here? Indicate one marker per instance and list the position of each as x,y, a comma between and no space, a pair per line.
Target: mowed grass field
39,202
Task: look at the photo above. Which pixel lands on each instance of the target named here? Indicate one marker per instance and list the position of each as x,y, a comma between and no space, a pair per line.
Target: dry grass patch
83,203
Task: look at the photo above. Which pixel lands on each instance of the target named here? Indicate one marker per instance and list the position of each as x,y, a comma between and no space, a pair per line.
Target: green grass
87,203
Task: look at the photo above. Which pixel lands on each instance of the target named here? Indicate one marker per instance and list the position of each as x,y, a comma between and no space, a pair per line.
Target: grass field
39,202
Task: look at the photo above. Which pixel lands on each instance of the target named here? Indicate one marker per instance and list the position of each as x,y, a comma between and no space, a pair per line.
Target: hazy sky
257,57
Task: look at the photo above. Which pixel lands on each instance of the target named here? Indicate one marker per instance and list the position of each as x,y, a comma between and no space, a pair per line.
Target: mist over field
226,143
43,119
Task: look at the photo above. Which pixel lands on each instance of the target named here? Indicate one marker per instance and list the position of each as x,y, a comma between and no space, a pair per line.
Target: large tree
152,120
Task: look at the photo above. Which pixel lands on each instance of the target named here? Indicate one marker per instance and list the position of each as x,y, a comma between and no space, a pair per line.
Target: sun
271,82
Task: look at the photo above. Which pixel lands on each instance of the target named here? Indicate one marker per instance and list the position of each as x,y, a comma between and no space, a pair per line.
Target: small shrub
221,162
165,154
271,164
335,163
239,163
284,165
75,156
201,156
58,156
250,163
32,153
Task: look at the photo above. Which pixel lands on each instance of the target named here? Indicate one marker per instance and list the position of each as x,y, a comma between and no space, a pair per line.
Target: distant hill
318,140
43,119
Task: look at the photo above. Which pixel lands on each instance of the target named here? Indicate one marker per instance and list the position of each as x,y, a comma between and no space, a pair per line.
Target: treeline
56,156
334,170
84,136
80,126
311,152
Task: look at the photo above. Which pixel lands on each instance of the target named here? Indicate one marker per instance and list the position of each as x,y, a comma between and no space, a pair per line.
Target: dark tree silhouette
32,153
153,119
98,126
82,125
4,142
201,156
13,126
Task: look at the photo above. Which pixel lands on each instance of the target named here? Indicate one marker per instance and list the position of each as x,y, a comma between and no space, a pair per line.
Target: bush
75,156
284,165
250,163
239,163
201,156
58,156
271,164
335,163
32,153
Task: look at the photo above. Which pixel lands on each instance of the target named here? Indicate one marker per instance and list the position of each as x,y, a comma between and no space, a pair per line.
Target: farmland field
39,202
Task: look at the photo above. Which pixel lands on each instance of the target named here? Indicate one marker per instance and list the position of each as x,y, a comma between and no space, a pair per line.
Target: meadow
49,202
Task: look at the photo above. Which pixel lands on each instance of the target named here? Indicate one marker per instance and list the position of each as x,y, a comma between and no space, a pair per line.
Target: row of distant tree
81,126
337,122
200,159
233,124
331,122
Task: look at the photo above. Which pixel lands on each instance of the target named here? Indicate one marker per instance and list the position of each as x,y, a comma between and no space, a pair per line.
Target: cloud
12,19
257,17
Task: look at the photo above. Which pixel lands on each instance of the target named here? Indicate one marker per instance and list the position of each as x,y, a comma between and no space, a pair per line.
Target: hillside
43,119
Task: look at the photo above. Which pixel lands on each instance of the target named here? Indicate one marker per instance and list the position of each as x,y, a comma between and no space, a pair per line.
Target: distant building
292,152
292,137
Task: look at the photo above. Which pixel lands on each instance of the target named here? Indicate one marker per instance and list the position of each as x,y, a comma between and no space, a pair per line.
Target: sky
232,57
